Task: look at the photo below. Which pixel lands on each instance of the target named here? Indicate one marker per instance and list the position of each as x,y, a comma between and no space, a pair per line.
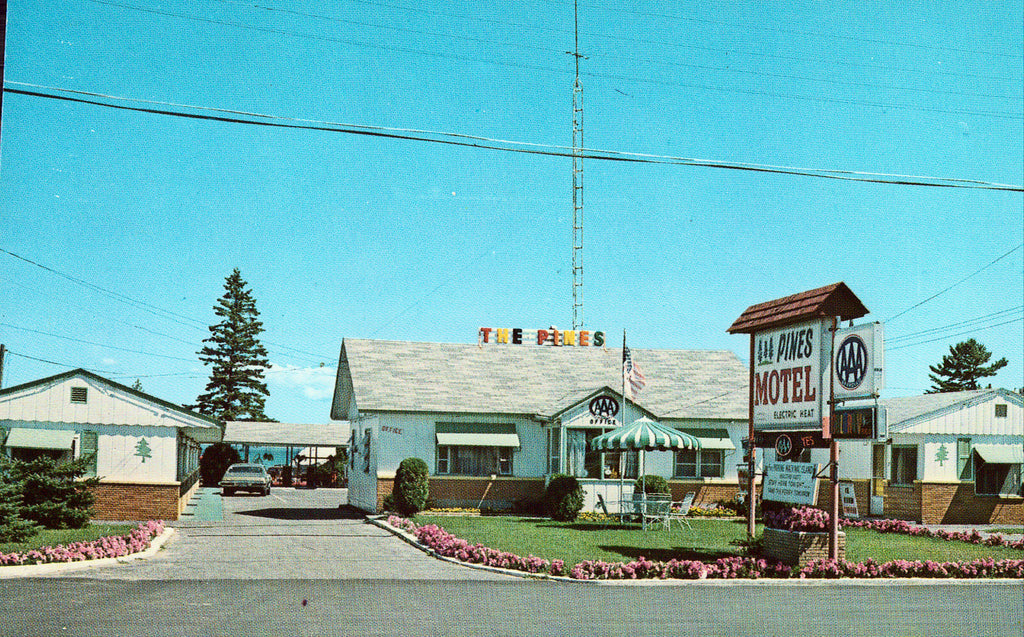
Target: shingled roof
830,300
531,380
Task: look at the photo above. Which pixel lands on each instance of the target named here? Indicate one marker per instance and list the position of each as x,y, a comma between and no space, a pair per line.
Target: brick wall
468,492
707,493
957,504
126,501
798,549
903,502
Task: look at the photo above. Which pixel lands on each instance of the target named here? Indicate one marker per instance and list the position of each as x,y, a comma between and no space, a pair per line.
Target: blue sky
343,235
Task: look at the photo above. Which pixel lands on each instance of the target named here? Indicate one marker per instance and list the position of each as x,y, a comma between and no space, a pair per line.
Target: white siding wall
362,484
413,435
52,403
117,448
976,420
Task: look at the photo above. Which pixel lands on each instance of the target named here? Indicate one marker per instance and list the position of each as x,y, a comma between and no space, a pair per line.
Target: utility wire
457,139
505,63
942,338
629,58
79,340
981,319
49,362
943,291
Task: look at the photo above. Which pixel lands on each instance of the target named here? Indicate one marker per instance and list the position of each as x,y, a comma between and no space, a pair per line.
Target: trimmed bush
215,461
411,486
650,484
563,498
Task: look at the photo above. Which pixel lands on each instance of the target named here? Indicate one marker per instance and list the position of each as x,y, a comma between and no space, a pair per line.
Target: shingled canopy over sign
831,300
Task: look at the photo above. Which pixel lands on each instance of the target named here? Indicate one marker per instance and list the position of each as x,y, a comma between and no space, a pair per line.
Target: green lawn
53,537
709,540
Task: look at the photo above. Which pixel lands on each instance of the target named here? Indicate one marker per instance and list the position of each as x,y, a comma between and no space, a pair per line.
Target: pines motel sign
788,389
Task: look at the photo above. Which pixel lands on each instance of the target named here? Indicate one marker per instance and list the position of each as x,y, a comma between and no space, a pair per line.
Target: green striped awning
647,435
25,438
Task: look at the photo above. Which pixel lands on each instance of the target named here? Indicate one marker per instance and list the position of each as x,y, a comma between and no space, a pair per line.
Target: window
904,465
80,395
691,463
583,462
89,449
997,478
964,466
464,460
554,447
1000,411
366,450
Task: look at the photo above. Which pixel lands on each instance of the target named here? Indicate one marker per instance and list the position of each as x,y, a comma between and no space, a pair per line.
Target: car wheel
229,492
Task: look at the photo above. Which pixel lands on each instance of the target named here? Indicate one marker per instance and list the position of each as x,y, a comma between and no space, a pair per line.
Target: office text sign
788,392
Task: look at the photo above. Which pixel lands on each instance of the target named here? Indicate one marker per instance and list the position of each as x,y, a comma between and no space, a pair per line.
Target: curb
845,581
31,570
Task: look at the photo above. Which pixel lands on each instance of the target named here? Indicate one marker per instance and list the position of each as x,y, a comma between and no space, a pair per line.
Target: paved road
519,607
290,534
292,564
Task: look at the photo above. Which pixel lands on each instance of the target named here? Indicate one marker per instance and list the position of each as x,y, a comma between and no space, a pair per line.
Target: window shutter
90,448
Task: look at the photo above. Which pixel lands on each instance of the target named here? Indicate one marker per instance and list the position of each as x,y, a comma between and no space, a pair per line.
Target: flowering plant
136,541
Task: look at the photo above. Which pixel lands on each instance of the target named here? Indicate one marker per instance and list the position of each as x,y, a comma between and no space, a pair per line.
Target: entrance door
877,479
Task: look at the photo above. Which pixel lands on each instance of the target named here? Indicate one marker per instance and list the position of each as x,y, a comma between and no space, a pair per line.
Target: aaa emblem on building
604,407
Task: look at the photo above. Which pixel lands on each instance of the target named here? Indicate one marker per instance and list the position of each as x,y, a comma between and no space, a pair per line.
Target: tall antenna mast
577,182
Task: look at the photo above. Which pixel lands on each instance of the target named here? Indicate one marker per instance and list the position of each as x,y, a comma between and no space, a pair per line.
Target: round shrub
563,498
412,487
651,484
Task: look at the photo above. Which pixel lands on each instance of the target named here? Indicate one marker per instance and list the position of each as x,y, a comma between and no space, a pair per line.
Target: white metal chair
656,508
680,512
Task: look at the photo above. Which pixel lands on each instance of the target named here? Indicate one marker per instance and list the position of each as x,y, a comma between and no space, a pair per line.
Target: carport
313,441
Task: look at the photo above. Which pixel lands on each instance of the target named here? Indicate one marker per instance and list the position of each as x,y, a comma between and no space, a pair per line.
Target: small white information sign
791,482
849,499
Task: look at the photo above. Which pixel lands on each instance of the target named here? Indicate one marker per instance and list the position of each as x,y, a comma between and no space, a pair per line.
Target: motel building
494,419
947,458
145,450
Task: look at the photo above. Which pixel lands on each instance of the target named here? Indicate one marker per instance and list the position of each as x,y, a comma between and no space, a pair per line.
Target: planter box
798,548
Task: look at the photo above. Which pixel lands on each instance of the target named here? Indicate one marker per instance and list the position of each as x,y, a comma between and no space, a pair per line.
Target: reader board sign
790,482
858,364
788,384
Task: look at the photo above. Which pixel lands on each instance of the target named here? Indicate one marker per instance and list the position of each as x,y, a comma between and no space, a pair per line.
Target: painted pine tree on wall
236,390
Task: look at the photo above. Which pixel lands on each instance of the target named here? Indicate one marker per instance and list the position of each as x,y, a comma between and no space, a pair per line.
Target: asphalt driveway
290,534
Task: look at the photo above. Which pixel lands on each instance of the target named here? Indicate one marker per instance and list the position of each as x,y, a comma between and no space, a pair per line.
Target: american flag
632,378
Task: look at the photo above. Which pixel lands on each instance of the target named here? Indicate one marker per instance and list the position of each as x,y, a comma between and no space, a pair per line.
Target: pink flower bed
446,544
136,541
817,521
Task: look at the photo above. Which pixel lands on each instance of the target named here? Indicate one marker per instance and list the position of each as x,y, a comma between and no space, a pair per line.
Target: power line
472,141
79,340
532,67
49,362
981,319
628,58
648,43
943,291
971,331
124,298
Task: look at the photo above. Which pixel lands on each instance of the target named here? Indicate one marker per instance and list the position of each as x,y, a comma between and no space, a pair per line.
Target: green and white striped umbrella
644,434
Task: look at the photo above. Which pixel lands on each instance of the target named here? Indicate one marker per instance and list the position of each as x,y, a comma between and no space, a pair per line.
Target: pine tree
13,528
962,368
236,390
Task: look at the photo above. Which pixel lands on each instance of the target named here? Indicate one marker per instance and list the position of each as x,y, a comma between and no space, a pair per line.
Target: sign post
792,393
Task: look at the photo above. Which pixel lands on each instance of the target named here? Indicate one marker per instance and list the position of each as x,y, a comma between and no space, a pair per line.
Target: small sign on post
791,482
848,497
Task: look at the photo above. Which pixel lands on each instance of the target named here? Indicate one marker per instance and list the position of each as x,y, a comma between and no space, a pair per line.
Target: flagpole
623,462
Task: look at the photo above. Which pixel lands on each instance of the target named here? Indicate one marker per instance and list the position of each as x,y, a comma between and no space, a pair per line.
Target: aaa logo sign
851,362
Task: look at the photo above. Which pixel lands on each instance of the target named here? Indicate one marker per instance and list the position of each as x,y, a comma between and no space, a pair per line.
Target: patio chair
603,506
656,509
680,512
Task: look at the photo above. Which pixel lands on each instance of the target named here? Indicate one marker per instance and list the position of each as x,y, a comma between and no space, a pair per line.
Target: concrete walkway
291,534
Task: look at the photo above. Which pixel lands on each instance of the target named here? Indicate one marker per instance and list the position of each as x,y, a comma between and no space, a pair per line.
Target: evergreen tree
236,390
13,528
54,494
962,368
